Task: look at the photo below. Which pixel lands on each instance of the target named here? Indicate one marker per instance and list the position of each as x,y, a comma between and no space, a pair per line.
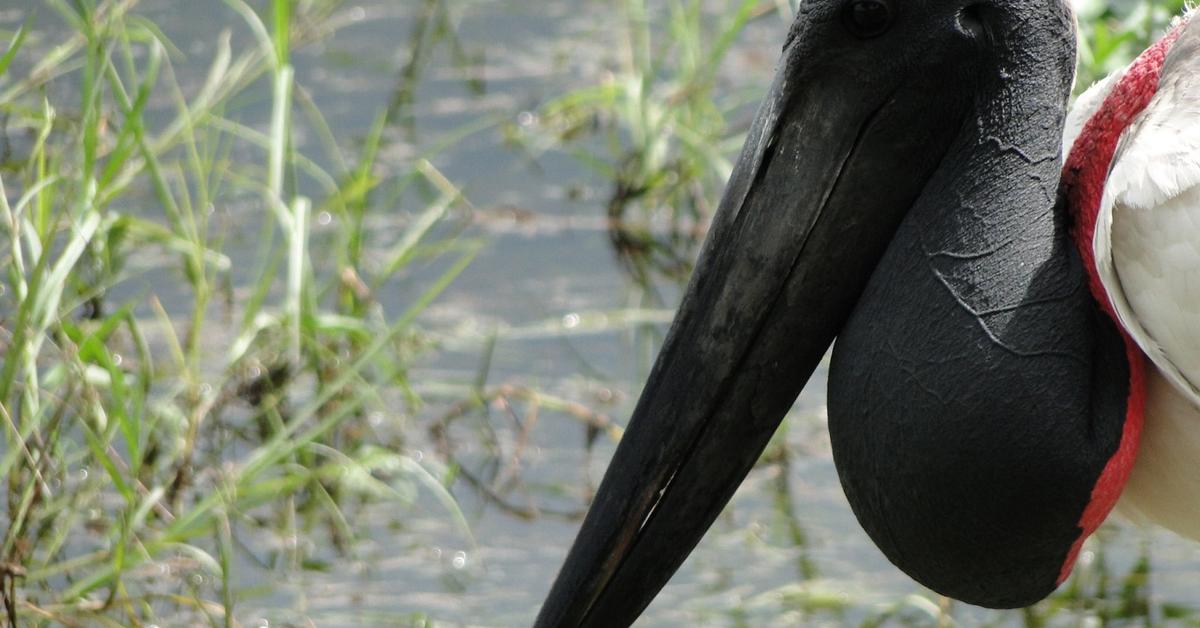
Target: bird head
896,191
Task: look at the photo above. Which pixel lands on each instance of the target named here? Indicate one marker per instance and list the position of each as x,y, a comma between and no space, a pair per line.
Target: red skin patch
1083,180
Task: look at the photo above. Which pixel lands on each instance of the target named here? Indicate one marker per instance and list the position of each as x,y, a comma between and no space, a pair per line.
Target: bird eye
971,21
868,18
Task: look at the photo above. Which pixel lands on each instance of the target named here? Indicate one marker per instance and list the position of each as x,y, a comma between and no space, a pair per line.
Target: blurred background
322,312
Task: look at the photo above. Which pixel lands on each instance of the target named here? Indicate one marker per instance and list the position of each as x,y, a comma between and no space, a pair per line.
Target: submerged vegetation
179,419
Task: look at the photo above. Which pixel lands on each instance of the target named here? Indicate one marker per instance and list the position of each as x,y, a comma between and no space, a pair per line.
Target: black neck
976,393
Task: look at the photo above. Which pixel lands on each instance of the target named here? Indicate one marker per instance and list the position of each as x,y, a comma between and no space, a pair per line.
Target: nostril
972,22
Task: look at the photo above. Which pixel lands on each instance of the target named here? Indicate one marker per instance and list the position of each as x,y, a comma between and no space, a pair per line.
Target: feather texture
1147,248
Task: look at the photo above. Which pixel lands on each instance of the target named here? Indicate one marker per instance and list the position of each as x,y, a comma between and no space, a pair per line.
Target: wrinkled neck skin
976,393
989,205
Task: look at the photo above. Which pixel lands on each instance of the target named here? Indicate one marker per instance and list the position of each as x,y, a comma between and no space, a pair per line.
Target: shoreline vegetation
148,433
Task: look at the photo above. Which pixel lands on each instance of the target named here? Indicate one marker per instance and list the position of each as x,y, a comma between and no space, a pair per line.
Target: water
787,551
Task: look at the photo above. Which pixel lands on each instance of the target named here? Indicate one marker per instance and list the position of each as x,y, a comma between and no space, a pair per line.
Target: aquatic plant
147,433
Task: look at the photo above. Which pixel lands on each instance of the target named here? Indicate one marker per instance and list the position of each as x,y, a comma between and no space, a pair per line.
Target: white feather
1164,488
1085,106
1147,247
1147,241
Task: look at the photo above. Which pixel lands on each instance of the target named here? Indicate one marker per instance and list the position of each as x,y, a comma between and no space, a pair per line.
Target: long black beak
821,185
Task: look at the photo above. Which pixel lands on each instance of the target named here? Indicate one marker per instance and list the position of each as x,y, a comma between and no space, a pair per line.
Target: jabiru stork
1005,323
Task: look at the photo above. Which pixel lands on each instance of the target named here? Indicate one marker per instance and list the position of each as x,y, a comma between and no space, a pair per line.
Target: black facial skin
881,123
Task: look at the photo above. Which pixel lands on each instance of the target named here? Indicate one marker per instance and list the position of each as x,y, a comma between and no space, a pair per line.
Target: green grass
657,128
141,432
1112,34
144,429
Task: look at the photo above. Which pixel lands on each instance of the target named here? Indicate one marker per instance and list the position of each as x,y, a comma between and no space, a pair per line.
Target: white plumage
1147,247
